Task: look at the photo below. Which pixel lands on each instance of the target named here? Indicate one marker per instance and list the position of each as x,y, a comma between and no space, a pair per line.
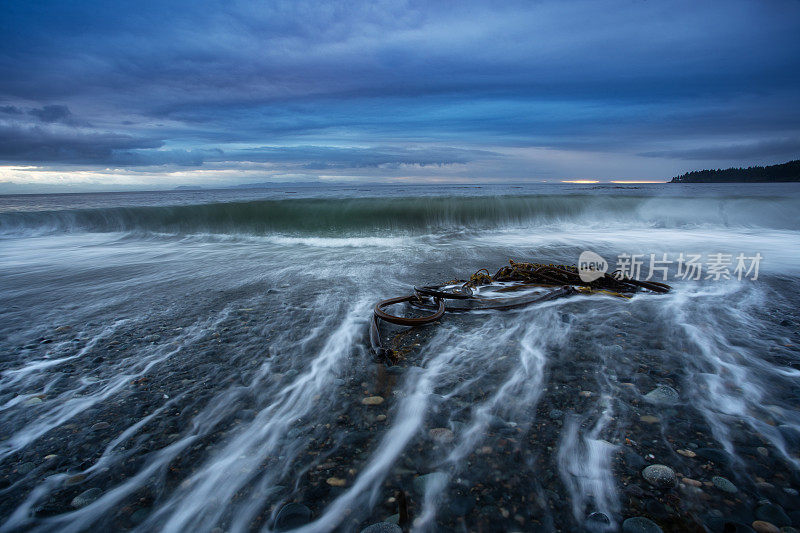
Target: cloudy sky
97,94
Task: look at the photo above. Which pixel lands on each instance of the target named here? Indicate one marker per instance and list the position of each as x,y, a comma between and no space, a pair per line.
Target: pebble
762,451
85,498
74,480
724,485
556,414
640,524
765,527
382,527
691,482
597,522
100,425
291,516
25,468
372,400
139,516
441,435
33,401
662,395
380,418
649,419
687,453
773,514
660,476
336,482
718,456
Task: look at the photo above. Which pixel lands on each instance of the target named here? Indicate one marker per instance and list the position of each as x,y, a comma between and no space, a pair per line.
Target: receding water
187,361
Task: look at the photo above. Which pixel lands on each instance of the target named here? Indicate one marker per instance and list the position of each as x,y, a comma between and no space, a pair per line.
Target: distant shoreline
783,173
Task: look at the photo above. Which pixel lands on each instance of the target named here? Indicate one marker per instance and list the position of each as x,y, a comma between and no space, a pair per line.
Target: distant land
784,172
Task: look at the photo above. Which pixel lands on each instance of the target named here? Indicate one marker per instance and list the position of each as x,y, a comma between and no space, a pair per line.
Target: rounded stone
597,523
291,516
382,527
640,524
773,514
660,476
765,527
85,498
139,516
663,395
372,400
443,435
724,484
25,468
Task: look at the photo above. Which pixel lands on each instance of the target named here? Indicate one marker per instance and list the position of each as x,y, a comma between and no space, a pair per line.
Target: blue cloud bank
389,90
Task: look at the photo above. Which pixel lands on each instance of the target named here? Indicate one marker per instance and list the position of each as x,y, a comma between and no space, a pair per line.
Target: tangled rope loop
565,281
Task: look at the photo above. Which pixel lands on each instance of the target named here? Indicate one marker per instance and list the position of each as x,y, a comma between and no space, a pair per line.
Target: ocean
199,360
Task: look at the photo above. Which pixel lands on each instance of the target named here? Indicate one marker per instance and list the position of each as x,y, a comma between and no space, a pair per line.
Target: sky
98,95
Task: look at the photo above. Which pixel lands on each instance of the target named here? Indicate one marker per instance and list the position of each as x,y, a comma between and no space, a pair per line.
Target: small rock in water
556,414
100,425
724,485
74,480
441,435
382,527
662,395
85,498
291,516
773,514
62,329
336,482
687,453
33,401
640,524
25,468
380,418
660,476
372,400
649,419
597,523
421,483
718,456
765,527
139,516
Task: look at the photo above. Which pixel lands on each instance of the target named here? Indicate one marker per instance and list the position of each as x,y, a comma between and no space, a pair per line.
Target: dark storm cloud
52,113
41,144
10,110
198,81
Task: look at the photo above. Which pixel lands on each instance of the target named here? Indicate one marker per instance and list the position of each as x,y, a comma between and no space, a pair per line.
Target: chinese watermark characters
662,267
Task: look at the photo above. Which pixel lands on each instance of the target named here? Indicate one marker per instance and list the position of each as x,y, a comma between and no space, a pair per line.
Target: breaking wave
411,216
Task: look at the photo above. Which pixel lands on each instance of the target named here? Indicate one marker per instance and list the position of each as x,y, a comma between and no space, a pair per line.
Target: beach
200,361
